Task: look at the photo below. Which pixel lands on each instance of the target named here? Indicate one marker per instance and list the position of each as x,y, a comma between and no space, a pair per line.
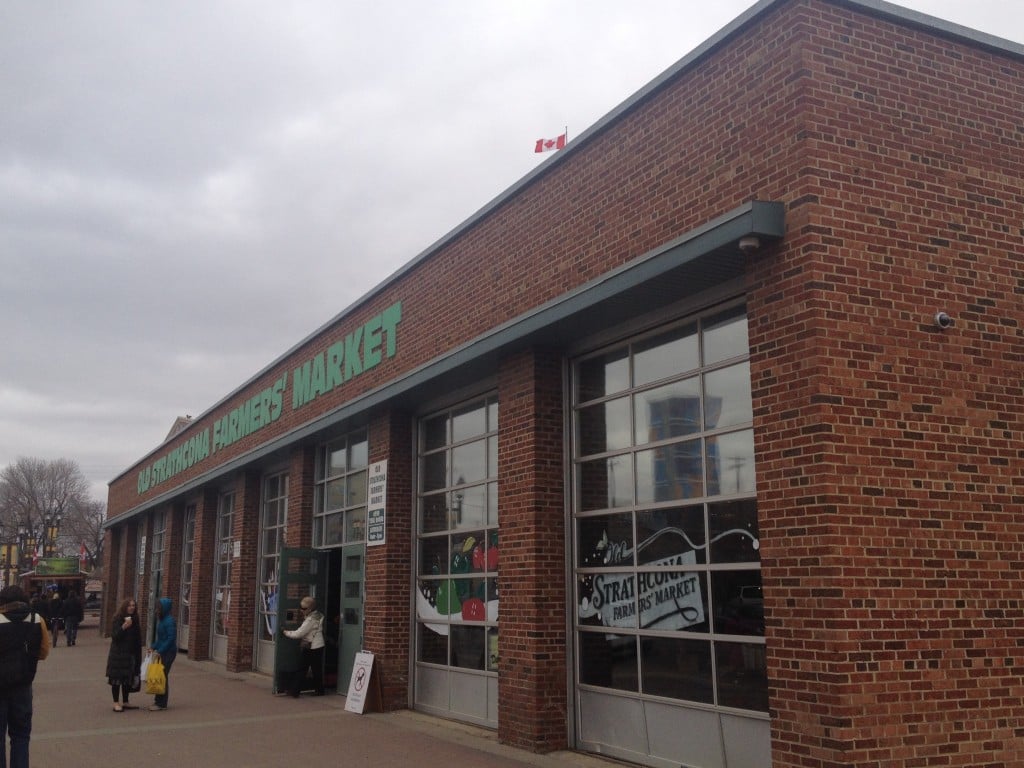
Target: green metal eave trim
712,248
756,218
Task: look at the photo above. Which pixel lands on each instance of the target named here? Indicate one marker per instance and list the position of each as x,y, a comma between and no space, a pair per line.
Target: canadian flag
81,557
35,556
547,145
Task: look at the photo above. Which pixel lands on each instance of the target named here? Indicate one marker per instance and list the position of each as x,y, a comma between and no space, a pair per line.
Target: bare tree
83,529
35,494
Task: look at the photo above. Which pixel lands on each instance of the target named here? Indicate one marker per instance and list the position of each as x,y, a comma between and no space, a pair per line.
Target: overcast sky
189,189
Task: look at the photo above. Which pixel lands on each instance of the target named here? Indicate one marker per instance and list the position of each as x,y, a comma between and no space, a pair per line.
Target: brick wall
889,453
889,458
244,573
203,563
299,532
113,545
388,567
532,643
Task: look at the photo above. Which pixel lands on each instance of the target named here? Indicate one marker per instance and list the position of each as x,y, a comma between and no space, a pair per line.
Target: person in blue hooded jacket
166,644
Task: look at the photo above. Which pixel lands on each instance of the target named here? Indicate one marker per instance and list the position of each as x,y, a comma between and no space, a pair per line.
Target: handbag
156,678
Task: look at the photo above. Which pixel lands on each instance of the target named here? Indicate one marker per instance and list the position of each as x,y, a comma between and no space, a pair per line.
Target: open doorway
332,620
334,577
343,615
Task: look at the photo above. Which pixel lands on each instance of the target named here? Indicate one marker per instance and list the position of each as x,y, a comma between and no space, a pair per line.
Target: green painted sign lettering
252,415
359,351
186,455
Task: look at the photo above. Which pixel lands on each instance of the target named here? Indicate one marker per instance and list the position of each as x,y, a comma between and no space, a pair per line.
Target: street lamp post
8,555
52,530
38,541
26,546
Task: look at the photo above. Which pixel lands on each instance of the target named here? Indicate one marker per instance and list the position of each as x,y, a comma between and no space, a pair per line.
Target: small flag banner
548,145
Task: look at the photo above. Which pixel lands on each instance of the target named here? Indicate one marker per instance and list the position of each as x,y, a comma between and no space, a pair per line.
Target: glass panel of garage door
185,595
224,553
156,574
669,618
457,563
273,519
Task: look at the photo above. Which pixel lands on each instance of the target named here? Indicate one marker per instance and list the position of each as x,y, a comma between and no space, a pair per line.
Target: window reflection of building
677,470
671,557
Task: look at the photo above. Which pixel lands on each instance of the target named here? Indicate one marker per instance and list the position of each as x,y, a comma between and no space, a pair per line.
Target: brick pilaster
532,536
388,567
244,573
203,562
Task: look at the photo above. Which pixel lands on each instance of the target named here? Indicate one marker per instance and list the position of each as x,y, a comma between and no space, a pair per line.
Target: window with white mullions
341,481
457,542
667,567
222,567
185,595
156,560
273,522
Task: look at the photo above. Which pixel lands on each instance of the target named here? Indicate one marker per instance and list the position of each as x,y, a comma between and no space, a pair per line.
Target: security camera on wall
749,244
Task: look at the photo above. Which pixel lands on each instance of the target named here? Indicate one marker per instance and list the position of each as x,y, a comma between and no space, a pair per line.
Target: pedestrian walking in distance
72,613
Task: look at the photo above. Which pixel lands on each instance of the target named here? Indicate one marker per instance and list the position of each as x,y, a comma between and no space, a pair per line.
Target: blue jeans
71,630
15,721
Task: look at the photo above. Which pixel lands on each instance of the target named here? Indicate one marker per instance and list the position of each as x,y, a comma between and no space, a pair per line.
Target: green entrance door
302,572
353,557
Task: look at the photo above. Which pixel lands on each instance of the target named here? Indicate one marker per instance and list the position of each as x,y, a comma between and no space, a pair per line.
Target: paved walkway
218,719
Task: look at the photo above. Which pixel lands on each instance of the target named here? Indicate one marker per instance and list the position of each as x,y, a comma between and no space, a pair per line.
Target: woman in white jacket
310,635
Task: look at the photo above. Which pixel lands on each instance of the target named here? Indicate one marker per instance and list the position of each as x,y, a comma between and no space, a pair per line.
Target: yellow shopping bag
156,678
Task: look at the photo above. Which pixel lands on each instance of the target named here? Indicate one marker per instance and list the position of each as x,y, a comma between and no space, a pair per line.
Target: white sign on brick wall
376,507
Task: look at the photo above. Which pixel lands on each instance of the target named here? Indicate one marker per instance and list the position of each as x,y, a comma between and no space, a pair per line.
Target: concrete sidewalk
217,719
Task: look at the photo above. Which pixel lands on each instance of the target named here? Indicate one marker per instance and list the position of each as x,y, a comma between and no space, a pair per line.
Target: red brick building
682,404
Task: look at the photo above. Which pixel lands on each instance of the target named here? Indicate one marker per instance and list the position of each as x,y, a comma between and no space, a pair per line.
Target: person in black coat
125,655
41,607
72,614
56,617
